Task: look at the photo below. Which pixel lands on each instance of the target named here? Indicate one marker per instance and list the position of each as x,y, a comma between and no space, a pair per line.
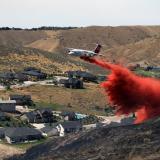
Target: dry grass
82,100
50,44
14,60
135,44
147,50
8,151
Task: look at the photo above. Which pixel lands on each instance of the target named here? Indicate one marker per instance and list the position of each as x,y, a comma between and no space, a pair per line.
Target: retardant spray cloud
130,93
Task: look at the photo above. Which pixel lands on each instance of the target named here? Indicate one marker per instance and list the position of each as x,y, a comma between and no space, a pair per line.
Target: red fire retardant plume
130,93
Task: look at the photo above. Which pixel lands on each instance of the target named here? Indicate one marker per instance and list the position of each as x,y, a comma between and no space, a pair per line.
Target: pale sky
36,13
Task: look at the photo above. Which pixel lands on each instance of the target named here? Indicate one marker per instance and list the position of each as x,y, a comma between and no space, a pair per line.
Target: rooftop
21,131
7,101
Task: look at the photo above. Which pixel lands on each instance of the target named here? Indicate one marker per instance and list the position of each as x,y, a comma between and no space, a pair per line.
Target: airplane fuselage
82,53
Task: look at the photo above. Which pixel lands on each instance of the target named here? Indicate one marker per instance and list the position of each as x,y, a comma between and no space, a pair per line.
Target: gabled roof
2,114
49,129
31,115
42,110
34,73
21,131
2,132
67,113
71,124
11,76
7,101
7,75
20,76
32,69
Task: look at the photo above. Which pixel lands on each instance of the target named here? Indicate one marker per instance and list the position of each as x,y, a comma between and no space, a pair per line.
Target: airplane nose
70,53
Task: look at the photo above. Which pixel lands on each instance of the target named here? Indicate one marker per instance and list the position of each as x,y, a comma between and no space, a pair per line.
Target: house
20,77
10,76
50,131
3,116
75,83
68,116
59,80
2,133
8,106
86,76
22,99
32,69
34,74
72,126
39,116
79,116
101,78
22,134
7,76
22,109
56,113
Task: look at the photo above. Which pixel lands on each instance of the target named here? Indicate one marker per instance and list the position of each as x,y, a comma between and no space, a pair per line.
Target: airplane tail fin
98,48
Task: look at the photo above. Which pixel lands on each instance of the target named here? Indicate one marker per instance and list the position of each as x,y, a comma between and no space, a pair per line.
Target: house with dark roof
8,106
22,134
34,74
3,116
74,83
2,133
72,126
86,76
32,69
7,76
68,116
22,99
20,77
50,131
10,77
39,116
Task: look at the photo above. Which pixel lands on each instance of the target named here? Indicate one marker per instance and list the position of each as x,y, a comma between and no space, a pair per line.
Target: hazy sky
35,13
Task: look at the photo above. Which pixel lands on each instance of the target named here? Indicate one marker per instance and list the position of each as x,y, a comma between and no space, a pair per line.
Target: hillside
60,96
47,49
144,51
12,38
87,37
8,151
134,142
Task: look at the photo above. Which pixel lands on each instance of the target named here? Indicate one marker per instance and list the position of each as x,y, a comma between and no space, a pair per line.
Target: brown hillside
132,44
20,38
107,36
147,50
128,43
50,43
87,37
79,99
7,151
134,142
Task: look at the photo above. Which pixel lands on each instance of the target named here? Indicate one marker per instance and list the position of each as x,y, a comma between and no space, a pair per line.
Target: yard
59,98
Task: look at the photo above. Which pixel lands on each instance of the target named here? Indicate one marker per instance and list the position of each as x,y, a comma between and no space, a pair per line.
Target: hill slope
135,142
147,50
133,44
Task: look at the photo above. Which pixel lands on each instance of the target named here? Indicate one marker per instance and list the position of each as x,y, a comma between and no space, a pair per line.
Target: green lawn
144,73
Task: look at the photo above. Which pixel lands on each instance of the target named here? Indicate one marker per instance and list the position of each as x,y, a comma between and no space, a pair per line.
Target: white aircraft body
85,53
